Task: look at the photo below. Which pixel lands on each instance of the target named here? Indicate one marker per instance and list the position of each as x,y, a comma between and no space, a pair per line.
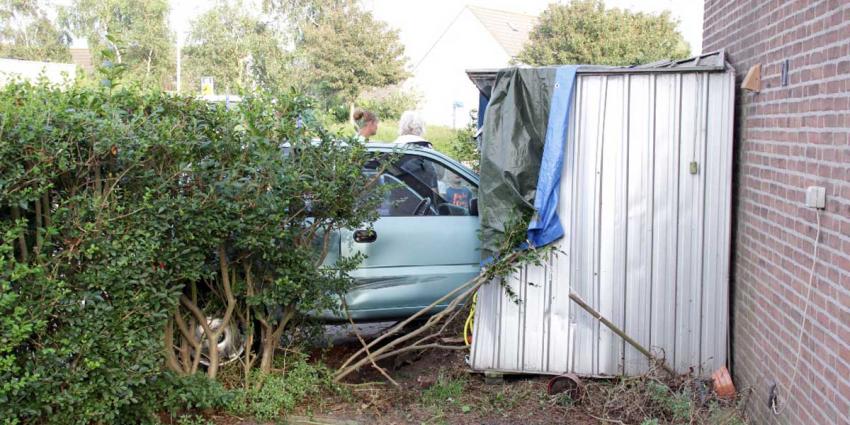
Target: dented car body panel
416,257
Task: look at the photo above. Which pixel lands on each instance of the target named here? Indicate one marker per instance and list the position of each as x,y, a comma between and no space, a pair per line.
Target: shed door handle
365,236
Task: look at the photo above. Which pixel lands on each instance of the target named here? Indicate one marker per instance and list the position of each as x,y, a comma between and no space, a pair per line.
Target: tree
344,50
137,30
236,48
585,32
27,33
130,217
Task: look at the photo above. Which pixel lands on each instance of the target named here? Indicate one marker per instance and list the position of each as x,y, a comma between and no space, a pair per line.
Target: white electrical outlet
816,197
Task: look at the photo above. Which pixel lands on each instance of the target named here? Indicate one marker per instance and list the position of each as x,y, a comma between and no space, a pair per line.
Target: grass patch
443,396
276,394
439,136
445,391
507,399
193,420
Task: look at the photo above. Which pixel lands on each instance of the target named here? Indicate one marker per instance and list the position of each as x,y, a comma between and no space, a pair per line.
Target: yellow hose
467,327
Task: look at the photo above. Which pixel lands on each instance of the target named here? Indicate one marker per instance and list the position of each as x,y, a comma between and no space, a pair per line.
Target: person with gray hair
411,130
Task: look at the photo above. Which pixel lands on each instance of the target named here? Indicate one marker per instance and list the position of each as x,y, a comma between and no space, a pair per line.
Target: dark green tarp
511,149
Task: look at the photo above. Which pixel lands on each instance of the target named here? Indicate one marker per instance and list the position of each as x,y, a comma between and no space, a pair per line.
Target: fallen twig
613,421
371,352
365,346
385,351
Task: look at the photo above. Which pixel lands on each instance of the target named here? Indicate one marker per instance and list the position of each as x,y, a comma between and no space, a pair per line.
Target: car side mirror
473,206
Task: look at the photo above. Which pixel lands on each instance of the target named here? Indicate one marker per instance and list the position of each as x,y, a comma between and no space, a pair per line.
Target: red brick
795,136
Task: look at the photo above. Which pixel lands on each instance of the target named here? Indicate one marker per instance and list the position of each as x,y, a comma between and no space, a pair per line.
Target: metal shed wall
647,240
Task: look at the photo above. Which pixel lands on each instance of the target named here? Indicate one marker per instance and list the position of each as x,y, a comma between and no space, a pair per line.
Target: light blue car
425,242
424,245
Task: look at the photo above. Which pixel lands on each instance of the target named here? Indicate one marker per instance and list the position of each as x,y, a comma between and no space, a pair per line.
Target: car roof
429,152
391,145
419,150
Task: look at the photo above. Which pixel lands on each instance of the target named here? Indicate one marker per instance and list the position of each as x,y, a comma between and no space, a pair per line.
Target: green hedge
115,203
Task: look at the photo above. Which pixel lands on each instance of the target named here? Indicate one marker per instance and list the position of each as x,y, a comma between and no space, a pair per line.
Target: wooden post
620,332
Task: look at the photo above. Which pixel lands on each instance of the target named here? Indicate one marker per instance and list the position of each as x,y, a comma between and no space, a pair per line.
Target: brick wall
788,138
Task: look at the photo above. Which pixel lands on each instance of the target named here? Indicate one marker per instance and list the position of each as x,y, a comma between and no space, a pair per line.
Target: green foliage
344,51
275,394
137,31
464,147
27,33
177,394
180,397
678,405
565,400
439,136
585,32
445,391
389,103
237,48
725,413
193,420
115,203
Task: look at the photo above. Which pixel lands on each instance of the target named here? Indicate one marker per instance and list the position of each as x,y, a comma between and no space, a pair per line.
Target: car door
425,242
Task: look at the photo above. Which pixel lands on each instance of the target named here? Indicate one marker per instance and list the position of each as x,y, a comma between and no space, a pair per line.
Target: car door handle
365,236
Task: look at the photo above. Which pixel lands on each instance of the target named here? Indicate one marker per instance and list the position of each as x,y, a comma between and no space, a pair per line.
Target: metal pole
454,115
179,62
620,332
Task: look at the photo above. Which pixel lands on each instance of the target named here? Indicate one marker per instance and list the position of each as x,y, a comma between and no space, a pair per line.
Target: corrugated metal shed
646,204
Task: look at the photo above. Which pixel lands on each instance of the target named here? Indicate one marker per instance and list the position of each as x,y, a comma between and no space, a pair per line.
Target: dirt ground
437,387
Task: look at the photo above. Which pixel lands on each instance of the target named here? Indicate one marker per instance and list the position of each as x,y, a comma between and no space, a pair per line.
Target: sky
421,21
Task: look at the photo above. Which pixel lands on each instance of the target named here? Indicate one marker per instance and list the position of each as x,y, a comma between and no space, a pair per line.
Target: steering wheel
422,207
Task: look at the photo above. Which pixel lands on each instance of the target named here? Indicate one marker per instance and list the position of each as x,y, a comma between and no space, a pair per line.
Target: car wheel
231,341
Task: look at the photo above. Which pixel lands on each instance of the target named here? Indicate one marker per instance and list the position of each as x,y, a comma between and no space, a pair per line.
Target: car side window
400,200
421,186
455,191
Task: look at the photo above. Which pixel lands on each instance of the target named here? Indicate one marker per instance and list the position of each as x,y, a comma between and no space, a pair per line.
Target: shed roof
510,29
706,62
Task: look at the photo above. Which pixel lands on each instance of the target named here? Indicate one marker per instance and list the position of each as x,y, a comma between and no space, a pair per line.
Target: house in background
33,71
55,72
476,38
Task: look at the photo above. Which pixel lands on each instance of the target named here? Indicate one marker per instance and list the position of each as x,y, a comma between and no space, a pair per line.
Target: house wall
441,76
57,73
790,137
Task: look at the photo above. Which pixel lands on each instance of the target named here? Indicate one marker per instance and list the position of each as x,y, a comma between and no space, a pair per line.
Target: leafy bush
677,404
386,103
117,205
439,136
389,103
464,147
178,395
274,394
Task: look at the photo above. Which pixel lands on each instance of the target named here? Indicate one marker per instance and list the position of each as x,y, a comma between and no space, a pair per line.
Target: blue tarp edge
545,226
